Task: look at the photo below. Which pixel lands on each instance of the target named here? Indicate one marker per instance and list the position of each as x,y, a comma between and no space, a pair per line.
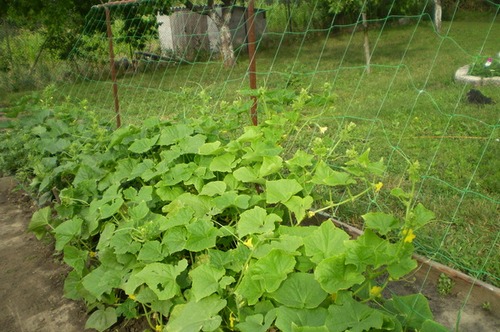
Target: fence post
113,67
251,54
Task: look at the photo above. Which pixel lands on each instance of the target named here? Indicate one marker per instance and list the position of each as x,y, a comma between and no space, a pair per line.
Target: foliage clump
194,227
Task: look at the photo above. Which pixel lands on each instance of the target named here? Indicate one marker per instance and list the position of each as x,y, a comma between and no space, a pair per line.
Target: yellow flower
158,328
92,254
376,291
132,297
248,243
378,186
409,236
311,214
322,130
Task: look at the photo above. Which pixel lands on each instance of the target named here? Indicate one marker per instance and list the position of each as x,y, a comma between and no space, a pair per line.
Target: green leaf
281,190
201,235
102,280
326,241
175,239
300,290
143,145
270,165
101,319
326,176
334,274
75,258
246,174
353,316
256,221
421,216
265,275
54,146
432,326
39,222
214,188
223,163
172,134
209,148
300,159
139,212
66,231
196,316
381,222
298,206
411,310
288,319
370,249
109,209
205,280
151,251
160,277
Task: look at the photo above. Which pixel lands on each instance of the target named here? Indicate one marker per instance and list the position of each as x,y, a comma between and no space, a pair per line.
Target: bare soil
32,277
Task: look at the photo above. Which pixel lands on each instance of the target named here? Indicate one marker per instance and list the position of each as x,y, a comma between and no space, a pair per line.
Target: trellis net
404,106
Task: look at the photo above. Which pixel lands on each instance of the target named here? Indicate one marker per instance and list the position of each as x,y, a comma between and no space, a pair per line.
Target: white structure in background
184,33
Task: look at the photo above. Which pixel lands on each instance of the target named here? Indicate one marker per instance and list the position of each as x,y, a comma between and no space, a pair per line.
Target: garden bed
472,303
462,75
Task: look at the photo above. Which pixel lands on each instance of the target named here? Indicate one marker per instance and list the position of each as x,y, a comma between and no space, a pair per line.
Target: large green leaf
67,231
270,165
300,290
201,235
381,222
256,221
266,275
325,241
102,280
143,145
334,274
370,249
326,176
421,216
205,280
288,319
223,163
102,319
298,206
281,190
412,310
353,316
172,134
196,316
39,222
151,251
160,277
214,188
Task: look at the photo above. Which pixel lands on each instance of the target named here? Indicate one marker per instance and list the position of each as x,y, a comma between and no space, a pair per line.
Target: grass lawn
408,108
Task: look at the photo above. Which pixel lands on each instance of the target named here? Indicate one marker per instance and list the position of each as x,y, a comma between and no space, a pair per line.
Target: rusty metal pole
113,67
251,54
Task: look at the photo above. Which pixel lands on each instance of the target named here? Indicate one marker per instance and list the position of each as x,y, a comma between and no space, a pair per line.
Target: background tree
221,21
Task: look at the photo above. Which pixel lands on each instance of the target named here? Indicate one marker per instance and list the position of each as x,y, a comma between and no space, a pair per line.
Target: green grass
407,108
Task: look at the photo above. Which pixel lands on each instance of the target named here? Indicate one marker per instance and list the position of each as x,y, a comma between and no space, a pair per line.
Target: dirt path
31,278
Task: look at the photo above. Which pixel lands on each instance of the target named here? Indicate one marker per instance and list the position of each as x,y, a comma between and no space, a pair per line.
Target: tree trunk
366,43
438,12
226,45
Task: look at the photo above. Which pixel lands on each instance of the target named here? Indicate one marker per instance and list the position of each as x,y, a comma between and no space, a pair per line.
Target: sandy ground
32,277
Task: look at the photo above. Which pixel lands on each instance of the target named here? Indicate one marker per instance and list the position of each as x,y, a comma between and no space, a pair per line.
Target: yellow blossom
248,243
378,186
92,254
311,214
132,297
322,130
409,236
158,328
334,296
376,291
